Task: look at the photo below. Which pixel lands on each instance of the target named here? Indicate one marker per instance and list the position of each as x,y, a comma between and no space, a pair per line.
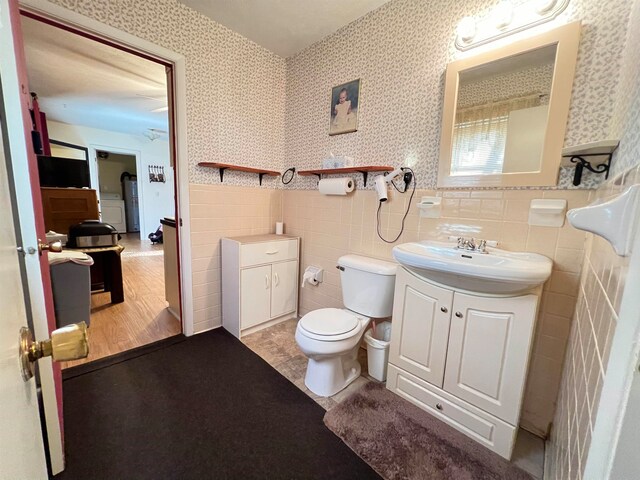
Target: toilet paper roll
336,186
307,277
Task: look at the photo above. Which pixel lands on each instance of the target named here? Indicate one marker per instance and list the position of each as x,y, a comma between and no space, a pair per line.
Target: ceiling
284,26
83,82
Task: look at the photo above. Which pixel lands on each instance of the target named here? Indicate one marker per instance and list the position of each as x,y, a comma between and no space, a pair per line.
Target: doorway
118,191
114,105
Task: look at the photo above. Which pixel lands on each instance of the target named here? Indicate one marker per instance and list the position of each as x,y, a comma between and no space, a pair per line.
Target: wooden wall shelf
337,171
239,168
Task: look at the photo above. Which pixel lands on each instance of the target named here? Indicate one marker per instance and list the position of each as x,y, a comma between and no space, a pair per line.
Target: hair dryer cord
409,175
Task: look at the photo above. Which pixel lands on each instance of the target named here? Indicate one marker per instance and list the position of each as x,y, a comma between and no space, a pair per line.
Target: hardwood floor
143,317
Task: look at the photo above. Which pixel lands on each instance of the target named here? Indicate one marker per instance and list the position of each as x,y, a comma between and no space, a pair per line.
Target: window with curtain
480,135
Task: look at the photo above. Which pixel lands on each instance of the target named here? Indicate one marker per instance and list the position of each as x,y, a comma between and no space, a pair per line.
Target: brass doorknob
51,246
67,343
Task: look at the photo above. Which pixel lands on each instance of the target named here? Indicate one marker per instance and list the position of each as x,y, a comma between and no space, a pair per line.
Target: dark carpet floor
206,407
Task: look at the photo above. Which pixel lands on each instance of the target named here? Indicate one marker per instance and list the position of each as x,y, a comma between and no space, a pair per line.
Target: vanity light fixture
543,6
466,29
503,14
505,19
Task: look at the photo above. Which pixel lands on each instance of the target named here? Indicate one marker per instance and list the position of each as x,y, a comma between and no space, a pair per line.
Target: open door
24,181
22,452
173,155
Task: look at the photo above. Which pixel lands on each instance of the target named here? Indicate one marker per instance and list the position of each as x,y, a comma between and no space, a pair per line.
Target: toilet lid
329,321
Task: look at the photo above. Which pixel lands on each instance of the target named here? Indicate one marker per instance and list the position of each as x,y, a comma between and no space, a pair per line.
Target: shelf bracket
260,175
222,169
365,175
582,163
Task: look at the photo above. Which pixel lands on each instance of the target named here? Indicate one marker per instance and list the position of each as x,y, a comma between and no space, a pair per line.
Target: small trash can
71,285
378,350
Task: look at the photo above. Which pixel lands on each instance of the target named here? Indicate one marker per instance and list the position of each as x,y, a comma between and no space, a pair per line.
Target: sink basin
495,272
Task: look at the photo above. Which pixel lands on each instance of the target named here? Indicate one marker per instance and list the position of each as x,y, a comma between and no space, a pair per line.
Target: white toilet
330,337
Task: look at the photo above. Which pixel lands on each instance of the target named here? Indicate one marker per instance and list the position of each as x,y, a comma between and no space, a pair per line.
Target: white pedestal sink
496,272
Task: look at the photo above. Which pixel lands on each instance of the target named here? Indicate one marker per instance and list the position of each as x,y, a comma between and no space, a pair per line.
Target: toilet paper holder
312,275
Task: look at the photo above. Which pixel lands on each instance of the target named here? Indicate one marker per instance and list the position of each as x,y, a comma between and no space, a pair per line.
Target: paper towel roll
336,186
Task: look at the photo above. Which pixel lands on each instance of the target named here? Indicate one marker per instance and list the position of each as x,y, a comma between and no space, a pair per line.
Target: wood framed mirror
505,112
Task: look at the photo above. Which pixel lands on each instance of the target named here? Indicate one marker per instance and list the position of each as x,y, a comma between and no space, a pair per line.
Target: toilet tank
367,285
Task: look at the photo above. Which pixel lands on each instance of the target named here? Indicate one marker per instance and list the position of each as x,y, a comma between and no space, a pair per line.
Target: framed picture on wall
344,108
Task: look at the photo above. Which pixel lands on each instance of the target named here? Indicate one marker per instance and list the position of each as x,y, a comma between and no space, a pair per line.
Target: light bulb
466,29
503,14
543,6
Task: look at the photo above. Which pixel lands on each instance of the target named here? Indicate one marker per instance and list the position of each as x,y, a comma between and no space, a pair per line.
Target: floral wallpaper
248,106
400,53
235,88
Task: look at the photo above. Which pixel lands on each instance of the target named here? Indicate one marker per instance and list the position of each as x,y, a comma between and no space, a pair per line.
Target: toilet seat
330,324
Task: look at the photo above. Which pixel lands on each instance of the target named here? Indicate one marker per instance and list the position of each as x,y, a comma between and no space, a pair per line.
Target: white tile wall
595,320
601,287
223,211
331,226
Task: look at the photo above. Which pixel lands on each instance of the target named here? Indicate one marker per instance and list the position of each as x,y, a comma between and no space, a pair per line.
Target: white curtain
480,135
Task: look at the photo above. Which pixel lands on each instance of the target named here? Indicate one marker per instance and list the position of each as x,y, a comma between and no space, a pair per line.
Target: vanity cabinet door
284,290
421,316
255,296
488,353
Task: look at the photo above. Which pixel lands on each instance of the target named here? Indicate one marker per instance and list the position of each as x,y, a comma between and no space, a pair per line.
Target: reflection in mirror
505,112
501,114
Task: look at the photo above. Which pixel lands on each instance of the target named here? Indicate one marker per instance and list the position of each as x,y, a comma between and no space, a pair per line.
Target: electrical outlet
408,176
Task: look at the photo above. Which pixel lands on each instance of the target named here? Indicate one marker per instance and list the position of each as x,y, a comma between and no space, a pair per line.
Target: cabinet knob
439,406
459,314
444,309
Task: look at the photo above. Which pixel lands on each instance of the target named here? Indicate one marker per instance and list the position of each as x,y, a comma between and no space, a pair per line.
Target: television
63,172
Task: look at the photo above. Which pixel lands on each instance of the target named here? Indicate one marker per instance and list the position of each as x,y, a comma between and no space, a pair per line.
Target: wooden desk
106,271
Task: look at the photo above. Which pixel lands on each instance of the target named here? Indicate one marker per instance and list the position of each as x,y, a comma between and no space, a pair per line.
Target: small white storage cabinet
462,357
259,281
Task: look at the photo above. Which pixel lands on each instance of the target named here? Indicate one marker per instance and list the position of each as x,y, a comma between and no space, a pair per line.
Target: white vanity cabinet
462,357
259,281
420,346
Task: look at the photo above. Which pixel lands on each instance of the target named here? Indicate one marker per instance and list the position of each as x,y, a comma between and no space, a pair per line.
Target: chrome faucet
471,245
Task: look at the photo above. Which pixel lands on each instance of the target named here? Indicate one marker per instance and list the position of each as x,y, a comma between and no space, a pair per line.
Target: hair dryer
381,182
